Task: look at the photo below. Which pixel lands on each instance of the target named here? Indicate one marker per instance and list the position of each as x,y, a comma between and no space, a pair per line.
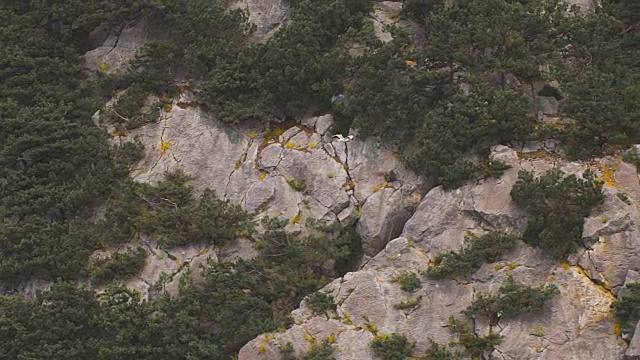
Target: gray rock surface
633,351
547,105
266,15
118,50
586,6
385,13
163,268
298,174
577,324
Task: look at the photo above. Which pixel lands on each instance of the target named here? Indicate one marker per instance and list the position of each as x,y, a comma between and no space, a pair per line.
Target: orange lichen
608,174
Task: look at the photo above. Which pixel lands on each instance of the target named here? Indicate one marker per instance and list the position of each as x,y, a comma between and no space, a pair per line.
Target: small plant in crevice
297,185
624,197
390,176
494,169
438,351
476,346
477,250
537,331
632,156
321,302
627,307
408,281
119,266
513,299
408,304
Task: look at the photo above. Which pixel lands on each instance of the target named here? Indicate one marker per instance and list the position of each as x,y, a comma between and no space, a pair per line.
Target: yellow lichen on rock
164,147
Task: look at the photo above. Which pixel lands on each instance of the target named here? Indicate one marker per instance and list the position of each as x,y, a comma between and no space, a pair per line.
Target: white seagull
342,138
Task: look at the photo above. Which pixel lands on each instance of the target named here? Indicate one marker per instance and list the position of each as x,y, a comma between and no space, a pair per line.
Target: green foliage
550,91
297,185
324,351
513,299
557,206
494,169
632,156
74,323
408,281
477,250
347,251
167,212
55,164
627,307
321,302
624,197
408,304
465,124
438,352
119,266
392,347
390,176
294,71
418,9
599,80
287,352
473,344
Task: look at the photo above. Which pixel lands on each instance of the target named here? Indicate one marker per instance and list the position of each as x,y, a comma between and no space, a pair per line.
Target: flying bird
342,138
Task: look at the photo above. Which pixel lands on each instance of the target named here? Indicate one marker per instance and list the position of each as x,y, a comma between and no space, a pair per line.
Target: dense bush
392,346
119,266
557,206
627,307
632,156
168,213
513,299
476,251
548,90
474,345
408,281
321,302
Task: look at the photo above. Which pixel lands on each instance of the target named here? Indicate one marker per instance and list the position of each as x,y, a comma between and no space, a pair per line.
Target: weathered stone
632,277
491,202
259,195
585,6
118,50
504,154
270,156
548,105
267,15
383,217
188,139
565,330
633,351
385,13
323,123
171,263
289,133
614,239
438,224
239,248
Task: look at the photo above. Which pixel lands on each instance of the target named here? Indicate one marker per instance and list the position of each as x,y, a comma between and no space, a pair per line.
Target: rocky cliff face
296,171
292,171
578,324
